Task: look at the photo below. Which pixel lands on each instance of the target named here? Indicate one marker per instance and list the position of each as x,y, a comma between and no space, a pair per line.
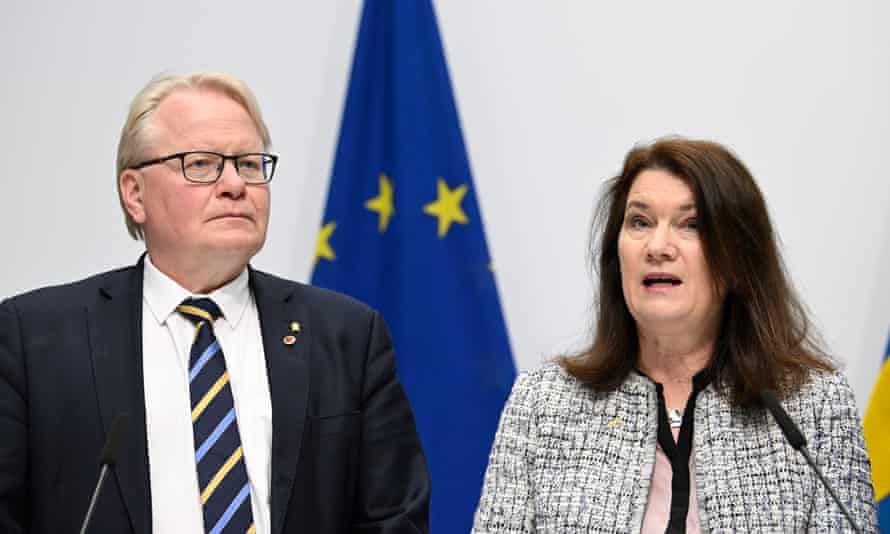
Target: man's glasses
207,167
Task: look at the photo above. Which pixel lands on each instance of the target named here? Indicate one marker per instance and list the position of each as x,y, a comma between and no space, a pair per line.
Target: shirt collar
162,295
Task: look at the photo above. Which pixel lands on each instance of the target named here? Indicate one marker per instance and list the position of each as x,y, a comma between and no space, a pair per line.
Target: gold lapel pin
295,327
289,340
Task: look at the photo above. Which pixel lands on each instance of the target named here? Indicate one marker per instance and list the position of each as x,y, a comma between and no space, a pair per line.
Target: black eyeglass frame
235,157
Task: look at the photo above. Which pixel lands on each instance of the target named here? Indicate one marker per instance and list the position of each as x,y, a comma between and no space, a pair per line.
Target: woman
657,427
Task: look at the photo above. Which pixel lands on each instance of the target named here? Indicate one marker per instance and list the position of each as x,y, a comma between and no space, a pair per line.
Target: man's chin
235,245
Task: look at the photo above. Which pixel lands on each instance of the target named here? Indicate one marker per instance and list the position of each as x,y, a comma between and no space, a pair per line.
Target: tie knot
197,310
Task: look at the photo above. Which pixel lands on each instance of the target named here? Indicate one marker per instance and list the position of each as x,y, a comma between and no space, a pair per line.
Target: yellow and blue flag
877,438
402,231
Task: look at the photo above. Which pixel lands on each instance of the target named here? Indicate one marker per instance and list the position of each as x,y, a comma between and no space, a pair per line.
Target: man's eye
199,163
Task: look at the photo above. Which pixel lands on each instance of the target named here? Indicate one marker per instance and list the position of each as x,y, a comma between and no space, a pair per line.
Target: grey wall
552,95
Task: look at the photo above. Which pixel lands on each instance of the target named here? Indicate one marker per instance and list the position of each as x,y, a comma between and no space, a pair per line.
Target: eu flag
877,437
402,232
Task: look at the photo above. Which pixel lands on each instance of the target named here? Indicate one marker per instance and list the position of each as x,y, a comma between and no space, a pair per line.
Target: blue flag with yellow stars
402,232
876,425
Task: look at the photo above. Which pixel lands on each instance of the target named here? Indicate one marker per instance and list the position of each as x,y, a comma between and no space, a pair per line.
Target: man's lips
232,216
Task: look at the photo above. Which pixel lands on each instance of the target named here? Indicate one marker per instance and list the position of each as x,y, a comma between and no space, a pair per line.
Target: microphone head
114,439
792,433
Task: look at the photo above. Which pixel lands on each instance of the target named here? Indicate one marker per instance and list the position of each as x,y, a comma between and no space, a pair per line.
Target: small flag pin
289,340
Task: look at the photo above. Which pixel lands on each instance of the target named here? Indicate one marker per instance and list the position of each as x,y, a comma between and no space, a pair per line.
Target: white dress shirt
166,341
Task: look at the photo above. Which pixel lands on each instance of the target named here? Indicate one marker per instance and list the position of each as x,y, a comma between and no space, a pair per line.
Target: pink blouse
658,508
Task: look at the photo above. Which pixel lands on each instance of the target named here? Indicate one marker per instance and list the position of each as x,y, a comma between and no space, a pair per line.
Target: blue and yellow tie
222,475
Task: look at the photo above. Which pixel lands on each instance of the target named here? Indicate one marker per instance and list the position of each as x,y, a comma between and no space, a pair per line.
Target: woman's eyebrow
638,204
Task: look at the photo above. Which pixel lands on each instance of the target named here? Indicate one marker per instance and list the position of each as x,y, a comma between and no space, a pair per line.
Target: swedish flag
877,438
402,231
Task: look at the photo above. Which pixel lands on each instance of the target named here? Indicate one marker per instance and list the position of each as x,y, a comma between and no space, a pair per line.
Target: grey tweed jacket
567,459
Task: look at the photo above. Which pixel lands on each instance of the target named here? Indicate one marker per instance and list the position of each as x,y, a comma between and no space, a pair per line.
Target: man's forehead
204,114
189,105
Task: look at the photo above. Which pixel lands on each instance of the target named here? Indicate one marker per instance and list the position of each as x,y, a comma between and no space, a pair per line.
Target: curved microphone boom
797,440
107,460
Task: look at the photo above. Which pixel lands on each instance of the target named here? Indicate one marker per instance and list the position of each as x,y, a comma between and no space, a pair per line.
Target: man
255,404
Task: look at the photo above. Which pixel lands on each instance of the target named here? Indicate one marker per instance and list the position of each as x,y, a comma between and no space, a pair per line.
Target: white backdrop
551,94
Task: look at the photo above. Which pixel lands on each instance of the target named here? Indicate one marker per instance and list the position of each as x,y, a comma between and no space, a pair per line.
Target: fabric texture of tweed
567,459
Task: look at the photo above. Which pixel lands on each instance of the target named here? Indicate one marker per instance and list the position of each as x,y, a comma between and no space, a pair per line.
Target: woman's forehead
658,189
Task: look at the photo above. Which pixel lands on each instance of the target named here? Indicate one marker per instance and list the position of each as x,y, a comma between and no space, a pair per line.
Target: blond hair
136,133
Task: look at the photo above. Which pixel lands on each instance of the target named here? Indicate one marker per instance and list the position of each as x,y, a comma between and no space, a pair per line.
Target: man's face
191,226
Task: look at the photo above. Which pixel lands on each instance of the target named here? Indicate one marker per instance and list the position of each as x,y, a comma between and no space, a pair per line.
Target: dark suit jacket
345,453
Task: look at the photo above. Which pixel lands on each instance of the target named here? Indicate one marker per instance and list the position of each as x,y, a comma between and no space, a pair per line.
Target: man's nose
230,182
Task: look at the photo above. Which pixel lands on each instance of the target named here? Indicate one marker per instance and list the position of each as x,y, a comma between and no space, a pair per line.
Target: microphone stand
806,454
86,520
107,460
798,442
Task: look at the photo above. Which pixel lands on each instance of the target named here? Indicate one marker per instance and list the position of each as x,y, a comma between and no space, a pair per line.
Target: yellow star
447,207
382,203
322,246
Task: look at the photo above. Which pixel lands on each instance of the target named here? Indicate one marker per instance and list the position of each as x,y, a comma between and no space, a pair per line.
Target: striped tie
222,475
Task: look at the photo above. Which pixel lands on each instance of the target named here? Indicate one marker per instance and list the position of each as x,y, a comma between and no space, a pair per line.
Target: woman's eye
691,224
638,223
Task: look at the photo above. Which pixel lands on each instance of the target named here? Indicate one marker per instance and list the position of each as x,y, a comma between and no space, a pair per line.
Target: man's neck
199,278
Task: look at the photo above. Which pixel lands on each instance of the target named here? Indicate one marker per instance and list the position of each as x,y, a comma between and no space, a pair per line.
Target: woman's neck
673,360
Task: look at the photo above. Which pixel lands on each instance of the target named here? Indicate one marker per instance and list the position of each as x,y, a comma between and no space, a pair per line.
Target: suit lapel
115,329
286,337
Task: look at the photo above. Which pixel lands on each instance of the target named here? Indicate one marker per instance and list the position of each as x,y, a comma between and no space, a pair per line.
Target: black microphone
799,442
106,460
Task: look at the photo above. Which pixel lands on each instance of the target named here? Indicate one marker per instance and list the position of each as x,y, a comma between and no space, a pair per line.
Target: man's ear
132,187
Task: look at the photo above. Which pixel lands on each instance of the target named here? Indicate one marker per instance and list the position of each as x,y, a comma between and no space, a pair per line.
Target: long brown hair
765,339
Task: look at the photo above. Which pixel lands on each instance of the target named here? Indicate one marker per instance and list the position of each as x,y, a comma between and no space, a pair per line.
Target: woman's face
664,274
